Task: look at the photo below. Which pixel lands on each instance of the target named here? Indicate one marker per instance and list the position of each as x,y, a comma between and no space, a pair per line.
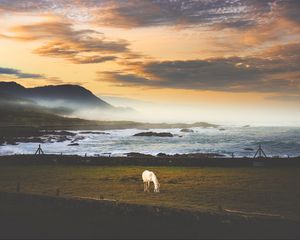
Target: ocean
241,141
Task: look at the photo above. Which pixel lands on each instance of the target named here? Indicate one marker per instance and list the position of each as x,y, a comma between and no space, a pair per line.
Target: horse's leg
145,187
149,185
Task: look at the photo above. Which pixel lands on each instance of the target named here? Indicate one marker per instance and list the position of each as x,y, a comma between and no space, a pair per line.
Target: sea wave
241,141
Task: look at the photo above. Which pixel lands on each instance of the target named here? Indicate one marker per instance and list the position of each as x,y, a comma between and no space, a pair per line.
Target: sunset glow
220,61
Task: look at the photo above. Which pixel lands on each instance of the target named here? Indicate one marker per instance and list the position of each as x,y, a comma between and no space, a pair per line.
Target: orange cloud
78,46
277,70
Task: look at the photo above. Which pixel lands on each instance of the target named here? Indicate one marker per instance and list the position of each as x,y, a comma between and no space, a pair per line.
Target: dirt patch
105,179
130,179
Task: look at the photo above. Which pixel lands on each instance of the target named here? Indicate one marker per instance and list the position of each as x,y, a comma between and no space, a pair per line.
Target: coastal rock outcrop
187,130
248,149
153,134
97,133
73,144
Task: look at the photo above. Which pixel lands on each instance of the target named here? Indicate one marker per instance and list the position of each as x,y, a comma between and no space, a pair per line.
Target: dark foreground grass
31,216
264,190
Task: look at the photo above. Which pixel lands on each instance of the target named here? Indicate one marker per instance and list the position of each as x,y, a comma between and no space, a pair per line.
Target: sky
223,61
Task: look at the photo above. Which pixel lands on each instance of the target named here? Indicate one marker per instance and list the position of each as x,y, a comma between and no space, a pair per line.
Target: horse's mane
155,180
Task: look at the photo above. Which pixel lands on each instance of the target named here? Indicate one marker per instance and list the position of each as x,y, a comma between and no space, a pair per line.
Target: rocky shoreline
34,136
16,135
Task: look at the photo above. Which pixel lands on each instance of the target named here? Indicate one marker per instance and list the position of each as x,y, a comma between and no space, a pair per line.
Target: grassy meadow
265,190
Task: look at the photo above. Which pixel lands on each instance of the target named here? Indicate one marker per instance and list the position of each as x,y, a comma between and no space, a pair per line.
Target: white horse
149,177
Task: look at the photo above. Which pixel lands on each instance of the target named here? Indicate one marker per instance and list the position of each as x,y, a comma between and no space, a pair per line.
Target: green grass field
265,190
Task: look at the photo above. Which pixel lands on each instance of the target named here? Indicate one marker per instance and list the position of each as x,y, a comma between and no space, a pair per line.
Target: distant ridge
21,107
71,96
11,88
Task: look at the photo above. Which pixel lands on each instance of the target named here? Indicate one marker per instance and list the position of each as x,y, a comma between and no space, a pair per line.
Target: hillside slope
69,96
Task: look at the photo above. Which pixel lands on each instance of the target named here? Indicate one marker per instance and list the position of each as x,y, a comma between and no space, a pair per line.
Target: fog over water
236,114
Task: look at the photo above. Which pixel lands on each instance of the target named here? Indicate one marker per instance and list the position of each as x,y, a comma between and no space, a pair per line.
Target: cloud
93,59
215,14
19,74
240,24
137,13
63,41
254,24
286,98
289,9
148,13
278,70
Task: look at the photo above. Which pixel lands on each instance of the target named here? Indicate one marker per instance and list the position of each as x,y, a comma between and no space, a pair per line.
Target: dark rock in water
176,135
153,134
57,136
51,139
62,139
248,149
222,129
60,133
136,154
33,135
73,144
104,133
187,130
246,126
77,139
66,133
11,142
32,140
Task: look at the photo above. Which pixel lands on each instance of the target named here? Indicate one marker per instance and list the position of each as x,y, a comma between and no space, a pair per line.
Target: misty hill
68,96
42,107
26,115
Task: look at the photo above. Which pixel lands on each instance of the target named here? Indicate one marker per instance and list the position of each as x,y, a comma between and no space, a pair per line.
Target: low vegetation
267,190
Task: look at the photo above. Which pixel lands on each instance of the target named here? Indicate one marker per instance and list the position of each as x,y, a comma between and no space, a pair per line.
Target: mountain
12,88
47,108
69,96
19,108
